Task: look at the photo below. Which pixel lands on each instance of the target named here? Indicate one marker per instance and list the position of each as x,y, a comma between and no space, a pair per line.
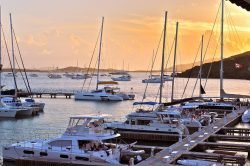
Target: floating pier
196,145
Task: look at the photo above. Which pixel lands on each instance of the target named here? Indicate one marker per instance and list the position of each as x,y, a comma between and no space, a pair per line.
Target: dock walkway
171,154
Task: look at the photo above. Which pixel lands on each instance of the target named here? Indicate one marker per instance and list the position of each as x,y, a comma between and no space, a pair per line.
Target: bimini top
145,103
107,83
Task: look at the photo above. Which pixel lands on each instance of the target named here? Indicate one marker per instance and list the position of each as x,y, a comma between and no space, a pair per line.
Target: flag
202,90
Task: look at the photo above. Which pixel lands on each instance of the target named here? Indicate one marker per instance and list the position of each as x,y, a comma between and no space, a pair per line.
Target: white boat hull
97,97
14,153
5,113
25,112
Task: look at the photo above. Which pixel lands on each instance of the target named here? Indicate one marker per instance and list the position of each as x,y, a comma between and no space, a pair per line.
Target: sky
61,33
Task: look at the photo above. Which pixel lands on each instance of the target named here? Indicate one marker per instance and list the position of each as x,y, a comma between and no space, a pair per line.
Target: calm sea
57,111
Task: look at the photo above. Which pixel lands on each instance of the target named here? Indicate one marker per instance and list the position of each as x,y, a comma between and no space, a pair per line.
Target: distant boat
122,78
157,79
153,80
68,75
33,75
10,75
54,76
119,73
80,76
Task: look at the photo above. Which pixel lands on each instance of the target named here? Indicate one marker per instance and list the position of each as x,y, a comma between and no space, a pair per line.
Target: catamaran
107,93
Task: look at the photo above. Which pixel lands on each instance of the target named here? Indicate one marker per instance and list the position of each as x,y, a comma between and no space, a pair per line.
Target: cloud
35,40
46,52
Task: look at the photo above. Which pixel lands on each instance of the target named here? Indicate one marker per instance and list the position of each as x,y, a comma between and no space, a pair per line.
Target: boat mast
99,57
162,60
1,52
175,51
222,49
201,62
13,55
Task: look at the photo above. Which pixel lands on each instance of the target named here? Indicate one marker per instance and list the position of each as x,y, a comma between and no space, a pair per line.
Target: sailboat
102,94
13,102
153,117
6,111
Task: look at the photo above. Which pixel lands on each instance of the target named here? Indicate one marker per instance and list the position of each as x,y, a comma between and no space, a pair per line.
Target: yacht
85,142
211,105
155,119
150,121
122,78
162,124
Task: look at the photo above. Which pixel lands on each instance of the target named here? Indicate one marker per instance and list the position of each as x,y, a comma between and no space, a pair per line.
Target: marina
102,115
55,107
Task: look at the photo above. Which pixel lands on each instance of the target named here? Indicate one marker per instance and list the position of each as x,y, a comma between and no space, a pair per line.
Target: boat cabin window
97,91
43,154
143,122
82,143
88,122
82,158
28,152
64,156
109,91
132,122
61,143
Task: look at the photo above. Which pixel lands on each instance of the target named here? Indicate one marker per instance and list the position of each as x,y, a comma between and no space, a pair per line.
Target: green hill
235,67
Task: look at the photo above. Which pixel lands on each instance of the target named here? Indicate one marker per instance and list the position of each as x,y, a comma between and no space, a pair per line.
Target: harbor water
54,120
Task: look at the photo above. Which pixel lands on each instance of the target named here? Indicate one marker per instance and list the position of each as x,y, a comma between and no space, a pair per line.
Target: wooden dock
198,141
51,94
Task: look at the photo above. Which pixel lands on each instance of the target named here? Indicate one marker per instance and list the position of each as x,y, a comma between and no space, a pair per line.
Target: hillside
235,67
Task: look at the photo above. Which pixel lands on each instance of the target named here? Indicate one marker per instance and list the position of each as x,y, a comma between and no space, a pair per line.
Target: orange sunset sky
58,33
